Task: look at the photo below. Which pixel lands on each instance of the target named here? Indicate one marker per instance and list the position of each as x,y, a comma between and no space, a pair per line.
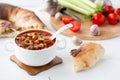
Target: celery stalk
89,3
69,5
99,6
82,5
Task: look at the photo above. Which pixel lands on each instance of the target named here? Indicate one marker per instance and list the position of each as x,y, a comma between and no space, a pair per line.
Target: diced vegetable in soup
34,40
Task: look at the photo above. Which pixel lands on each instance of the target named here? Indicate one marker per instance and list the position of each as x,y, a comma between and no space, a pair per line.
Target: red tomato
67,19
98,18
76,26
108,9
113,18
117,11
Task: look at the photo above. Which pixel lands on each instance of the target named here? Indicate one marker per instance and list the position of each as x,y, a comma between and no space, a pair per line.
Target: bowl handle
61,43
10,45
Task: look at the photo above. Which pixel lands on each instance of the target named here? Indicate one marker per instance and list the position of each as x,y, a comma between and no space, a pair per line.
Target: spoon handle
60,30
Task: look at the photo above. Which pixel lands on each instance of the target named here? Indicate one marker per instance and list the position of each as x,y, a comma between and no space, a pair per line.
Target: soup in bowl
34,40
34,47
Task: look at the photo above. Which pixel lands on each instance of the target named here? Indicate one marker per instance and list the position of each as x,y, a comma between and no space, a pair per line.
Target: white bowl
35,57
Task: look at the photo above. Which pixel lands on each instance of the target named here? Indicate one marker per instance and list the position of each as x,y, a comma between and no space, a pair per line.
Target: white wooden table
107,69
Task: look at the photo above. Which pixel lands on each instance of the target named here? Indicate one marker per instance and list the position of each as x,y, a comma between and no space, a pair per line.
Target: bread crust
89,54
21,18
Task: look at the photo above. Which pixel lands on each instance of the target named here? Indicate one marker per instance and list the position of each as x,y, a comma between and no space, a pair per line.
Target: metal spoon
60,30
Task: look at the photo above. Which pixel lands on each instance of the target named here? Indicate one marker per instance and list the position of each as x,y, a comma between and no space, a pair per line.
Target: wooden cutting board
107,31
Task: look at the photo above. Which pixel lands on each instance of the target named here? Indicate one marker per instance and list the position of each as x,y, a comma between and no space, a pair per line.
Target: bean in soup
34,40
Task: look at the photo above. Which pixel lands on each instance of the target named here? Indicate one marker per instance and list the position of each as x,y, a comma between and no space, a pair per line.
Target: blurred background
36,3
25,3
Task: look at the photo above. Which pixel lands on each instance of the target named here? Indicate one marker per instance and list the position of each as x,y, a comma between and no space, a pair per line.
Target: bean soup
34,40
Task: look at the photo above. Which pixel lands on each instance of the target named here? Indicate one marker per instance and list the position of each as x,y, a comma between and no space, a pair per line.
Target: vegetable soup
34,40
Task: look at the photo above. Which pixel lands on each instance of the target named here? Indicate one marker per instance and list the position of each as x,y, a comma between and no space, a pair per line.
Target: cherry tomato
98,18
76,26
67,19
117,11
108,9
113,18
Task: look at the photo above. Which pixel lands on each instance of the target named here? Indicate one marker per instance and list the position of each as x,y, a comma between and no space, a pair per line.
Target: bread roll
87,55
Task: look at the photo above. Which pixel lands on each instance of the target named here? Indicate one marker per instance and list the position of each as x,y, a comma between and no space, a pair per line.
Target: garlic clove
77,41
58,16
95,31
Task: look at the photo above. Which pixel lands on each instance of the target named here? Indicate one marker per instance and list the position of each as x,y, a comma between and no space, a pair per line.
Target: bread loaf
20,18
